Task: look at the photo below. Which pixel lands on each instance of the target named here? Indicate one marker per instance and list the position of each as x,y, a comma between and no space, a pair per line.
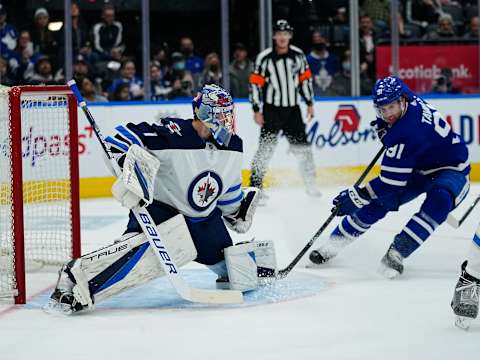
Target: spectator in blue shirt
323,64
193,63
8,34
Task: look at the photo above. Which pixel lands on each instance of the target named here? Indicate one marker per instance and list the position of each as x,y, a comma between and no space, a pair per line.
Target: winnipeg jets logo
204,190
174,128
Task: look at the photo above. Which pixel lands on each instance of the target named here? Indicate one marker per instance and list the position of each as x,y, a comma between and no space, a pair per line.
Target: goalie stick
284,272
454,222
149,228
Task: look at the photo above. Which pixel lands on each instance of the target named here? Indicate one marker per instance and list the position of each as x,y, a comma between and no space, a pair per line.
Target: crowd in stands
104,72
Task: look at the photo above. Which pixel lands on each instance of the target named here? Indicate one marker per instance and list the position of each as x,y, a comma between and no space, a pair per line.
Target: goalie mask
213,105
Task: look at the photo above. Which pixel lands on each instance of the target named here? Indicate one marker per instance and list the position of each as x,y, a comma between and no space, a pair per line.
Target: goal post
39,182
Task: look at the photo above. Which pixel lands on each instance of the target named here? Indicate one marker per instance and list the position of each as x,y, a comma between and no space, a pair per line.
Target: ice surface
342,310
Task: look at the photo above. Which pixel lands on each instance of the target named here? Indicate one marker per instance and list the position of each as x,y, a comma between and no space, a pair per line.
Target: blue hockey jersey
195,175
421,142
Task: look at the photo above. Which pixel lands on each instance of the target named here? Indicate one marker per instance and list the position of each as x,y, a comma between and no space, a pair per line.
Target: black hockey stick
284,272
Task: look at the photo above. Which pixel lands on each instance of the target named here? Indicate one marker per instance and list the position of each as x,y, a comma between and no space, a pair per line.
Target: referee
280,76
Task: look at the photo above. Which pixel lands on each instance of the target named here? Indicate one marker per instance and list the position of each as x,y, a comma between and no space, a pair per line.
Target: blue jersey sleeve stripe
231,201
129,135
117,144
233,188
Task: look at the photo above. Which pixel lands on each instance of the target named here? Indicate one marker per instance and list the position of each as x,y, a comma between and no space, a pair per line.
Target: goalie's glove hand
124,196
350,200
380,127
241,220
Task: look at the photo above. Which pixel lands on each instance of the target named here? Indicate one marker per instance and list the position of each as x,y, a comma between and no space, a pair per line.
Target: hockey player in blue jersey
465,302
193,168
424,156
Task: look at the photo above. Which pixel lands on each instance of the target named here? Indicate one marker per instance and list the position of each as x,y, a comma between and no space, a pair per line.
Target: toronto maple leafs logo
204,190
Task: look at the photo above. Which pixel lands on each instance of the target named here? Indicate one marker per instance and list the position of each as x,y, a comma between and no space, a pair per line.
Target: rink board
159,294
340,134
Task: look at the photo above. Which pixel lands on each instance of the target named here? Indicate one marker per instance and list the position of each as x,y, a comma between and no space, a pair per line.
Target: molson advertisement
340,134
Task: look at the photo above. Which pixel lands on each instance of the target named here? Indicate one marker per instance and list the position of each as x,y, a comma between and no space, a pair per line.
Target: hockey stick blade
149,228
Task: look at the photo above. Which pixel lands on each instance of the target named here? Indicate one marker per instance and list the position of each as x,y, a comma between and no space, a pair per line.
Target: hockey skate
391,264
313,191
465,299
62,301
71,293
317,258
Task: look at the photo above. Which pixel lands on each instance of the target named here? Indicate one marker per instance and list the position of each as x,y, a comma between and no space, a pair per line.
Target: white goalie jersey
195,175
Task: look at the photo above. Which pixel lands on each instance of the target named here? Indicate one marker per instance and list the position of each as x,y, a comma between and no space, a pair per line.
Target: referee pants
289,120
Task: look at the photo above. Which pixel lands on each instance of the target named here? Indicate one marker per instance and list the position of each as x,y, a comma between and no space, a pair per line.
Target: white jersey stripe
392,181
413,235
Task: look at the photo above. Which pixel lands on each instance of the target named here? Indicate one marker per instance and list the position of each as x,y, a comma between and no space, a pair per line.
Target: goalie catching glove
135,185
241,220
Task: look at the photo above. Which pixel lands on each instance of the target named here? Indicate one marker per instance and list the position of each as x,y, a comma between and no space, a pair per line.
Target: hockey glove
350,200
380,127
241,220
135,186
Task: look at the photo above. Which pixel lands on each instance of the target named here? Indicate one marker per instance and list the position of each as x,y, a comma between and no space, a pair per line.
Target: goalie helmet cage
39,182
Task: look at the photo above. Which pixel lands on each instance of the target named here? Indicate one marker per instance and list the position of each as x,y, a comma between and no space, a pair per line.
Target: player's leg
465,302
128,262
444,192
294,130
267,143
350,228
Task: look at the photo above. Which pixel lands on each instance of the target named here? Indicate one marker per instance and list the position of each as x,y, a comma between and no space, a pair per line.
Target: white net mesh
46,185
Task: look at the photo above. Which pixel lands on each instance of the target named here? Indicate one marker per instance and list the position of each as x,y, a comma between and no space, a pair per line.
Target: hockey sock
433,212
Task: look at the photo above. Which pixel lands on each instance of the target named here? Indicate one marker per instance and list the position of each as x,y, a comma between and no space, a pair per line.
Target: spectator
22,60
108,35
240,69
379,12
80,67
341,83
323,63
43,39
8,34
161,58
182,87
5,78
43,72
212,72
443,84
426,11
368,40
445,29
87,88
80,36
159,84
121,93
473,29
194,63
127,73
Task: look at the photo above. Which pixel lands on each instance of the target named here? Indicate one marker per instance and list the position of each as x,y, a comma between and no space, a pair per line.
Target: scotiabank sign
421,64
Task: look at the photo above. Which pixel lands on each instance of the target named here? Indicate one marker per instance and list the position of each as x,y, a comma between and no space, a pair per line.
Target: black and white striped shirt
280,80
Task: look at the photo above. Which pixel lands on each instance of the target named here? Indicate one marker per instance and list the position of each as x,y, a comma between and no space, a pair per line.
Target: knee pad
438,204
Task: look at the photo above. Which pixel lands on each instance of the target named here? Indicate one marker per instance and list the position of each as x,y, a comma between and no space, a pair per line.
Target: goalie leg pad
131,262
250,264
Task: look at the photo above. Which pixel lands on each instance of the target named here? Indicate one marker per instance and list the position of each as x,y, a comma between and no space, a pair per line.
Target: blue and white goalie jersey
195,175
421,142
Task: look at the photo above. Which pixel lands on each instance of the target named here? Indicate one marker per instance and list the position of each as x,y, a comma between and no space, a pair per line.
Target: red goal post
39,182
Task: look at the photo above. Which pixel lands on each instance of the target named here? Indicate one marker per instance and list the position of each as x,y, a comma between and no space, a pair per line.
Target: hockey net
39,200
